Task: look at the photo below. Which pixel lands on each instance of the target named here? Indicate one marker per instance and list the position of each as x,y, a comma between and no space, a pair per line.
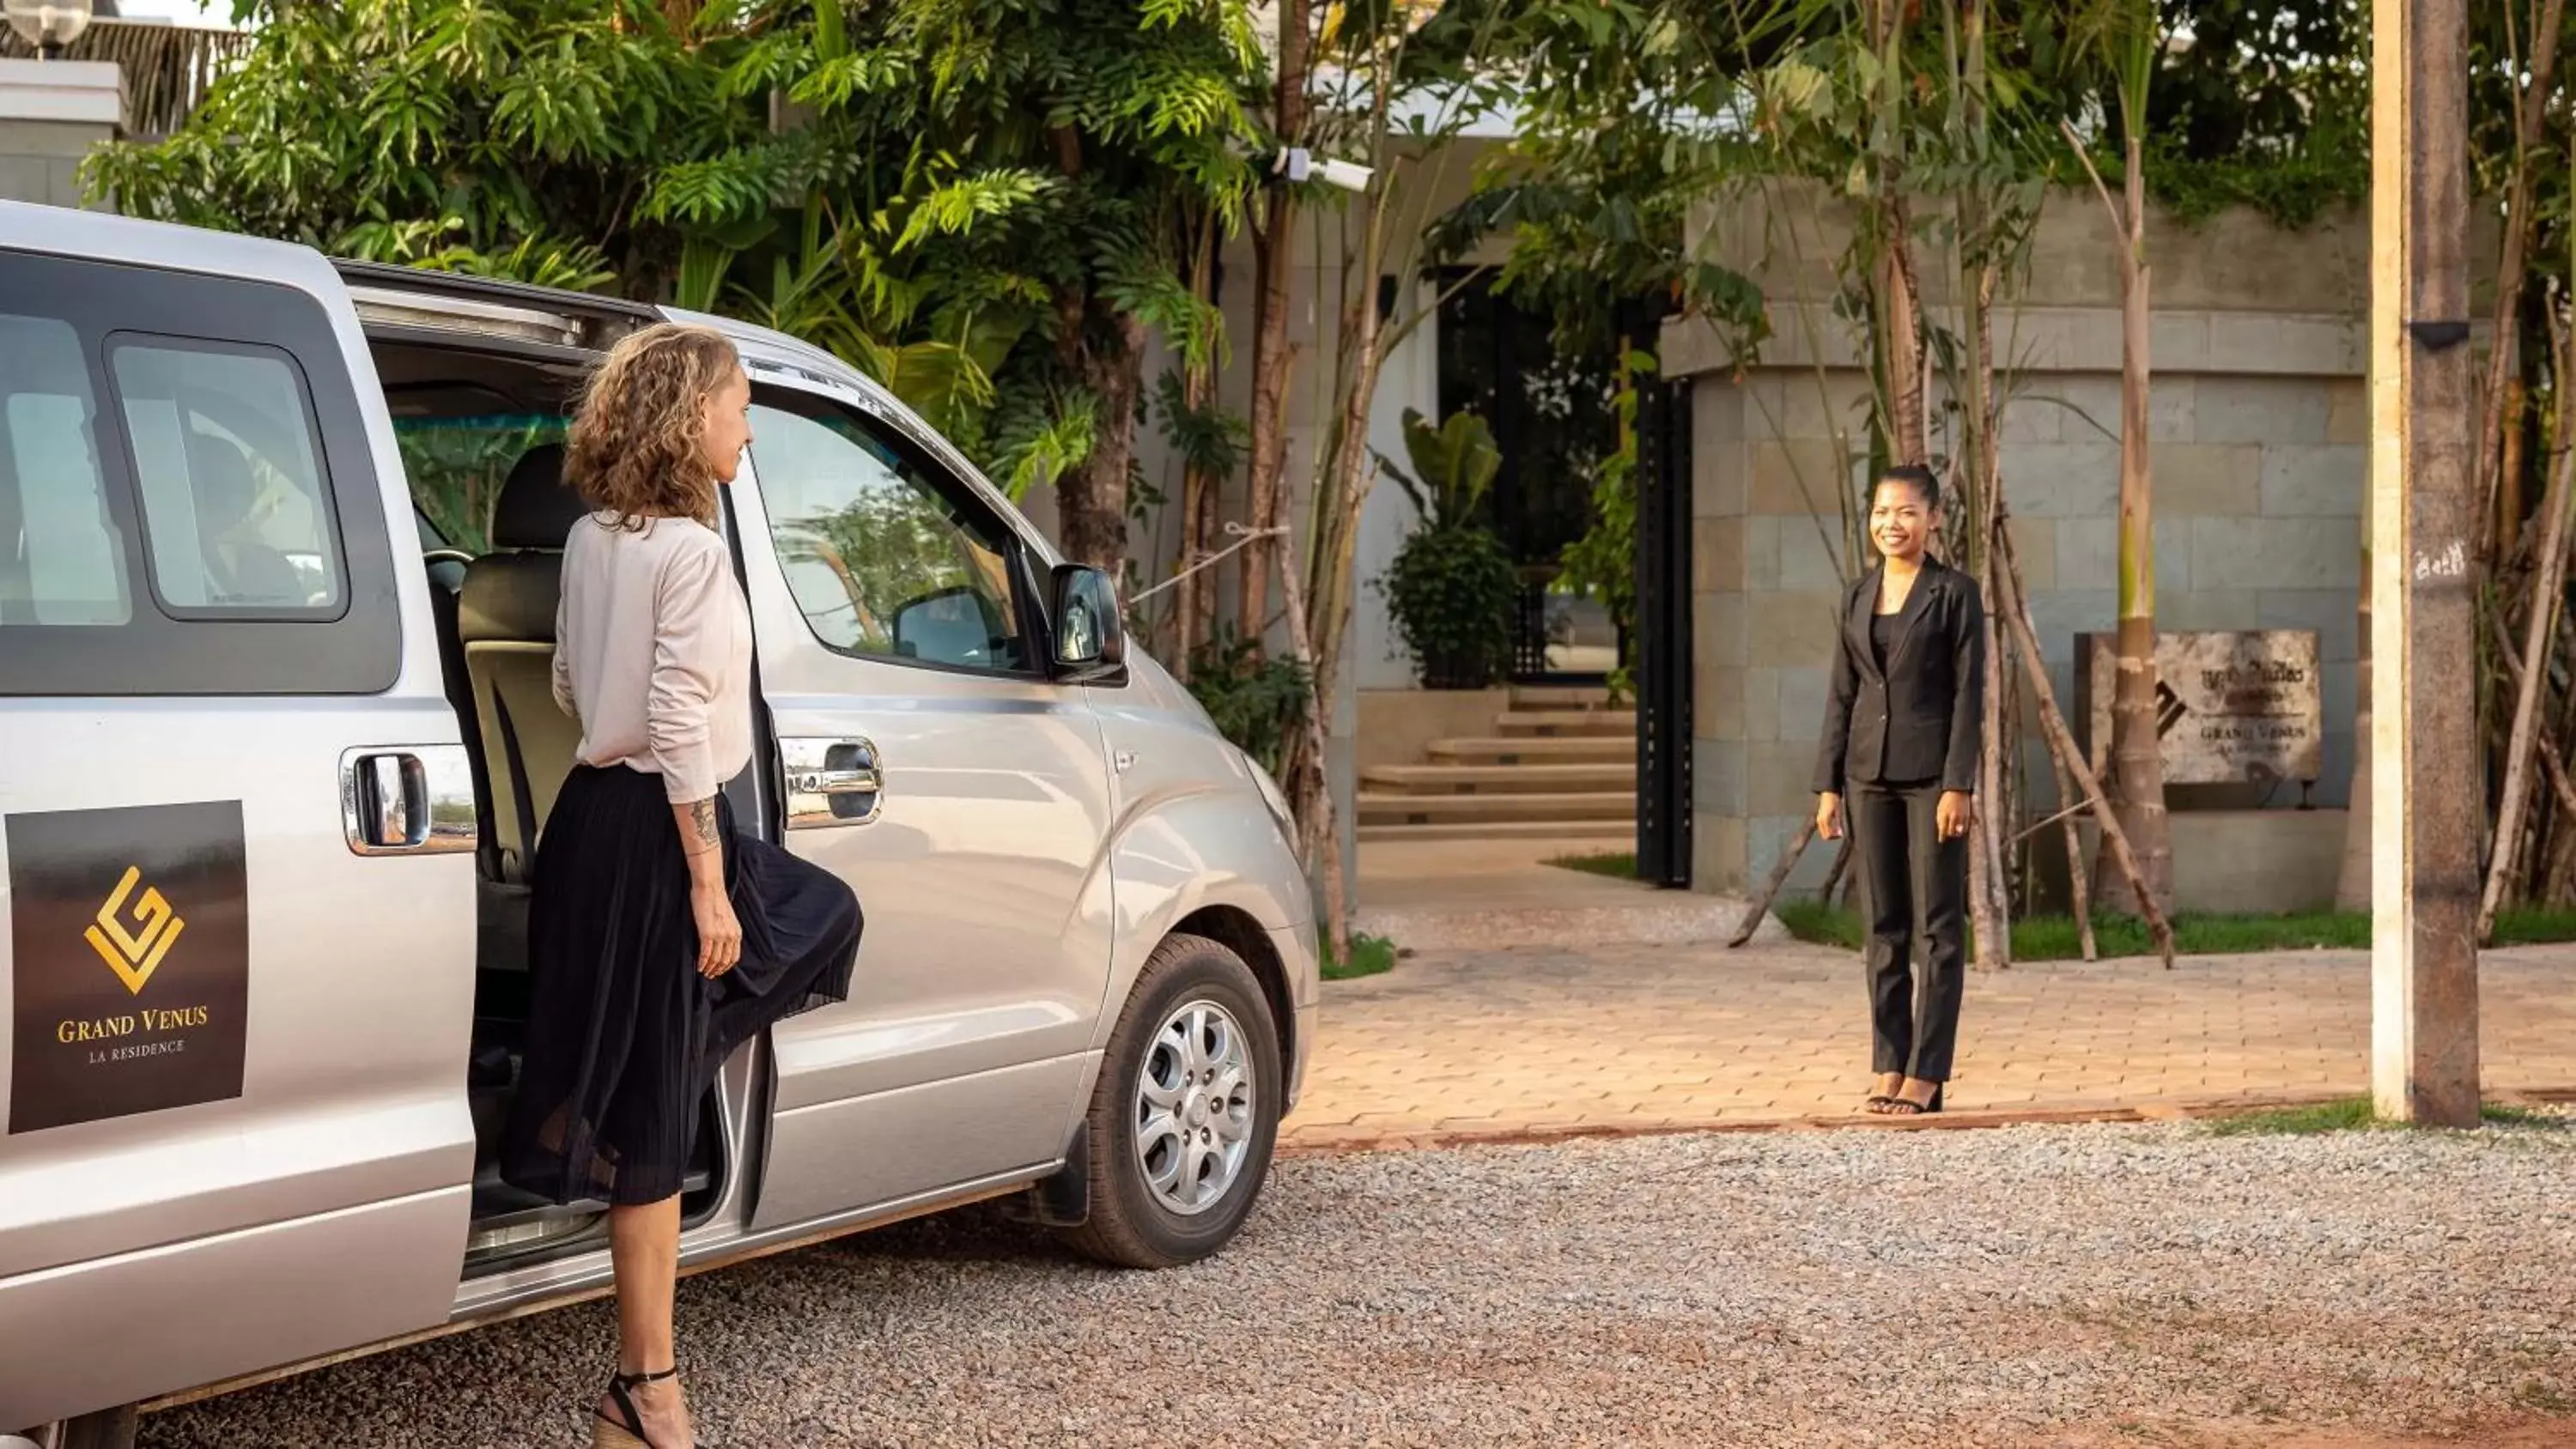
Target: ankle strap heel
626,1431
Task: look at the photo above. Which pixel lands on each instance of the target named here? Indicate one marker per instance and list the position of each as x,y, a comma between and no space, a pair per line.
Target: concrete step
1585,831
1560,696
1502,779
1530,749
1383,809
1567,722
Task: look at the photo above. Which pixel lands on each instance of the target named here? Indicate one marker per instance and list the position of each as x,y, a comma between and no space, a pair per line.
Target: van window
61,560
883,562
456,467
189,496
234,505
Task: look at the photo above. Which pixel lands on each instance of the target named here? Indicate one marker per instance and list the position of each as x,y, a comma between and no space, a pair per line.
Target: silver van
278,552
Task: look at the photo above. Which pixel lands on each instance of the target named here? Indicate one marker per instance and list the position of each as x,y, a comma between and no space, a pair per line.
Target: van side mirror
1090,639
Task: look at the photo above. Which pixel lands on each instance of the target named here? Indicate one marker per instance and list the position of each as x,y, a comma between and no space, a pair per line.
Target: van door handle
408,800
832,781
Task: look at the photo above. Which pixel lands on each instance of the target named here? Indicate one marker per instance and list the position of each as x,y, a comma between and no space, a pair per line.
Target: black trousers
1914,888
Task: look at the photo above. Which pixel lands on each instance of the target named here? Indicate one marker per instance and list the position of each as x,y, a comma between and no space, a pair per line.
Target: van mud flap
1063,1198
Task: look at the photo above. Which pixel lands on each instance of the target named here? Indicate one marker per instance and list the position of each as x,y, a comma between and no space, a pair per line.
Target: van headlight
1277,800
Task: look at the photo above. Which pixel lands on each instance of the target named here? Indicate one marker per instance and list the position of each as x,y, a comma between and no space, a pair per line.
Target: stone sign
2231,708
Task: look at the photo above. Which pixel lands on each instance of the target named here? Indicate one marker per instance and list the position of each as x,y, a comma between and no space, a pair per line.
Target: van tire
1128,1226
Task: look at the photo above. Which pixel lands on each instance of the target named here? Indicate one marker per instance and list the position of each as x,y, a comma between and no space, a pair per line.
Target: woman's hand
1829,815
702,841
1953,814
719,934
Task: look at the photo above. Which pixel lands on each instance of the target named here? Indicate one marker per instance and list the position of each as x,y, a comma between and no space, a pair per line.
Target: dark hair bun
1915,476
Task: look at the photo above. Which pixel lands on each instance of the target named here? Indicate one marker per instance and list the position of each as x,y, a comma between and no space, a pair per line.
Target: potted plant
1452,586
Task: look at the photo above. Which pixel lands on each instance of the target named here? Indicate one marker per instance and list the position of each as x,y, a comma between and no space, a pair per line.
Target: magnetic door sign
131,933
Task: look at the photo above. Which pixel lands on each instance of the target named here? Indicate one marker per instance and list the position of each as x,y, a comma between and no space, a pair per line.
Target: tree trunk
1274,250
1989,893
1345,488
2540,632
1194,597
1900,321
1901,332
2508,511
1093,495
2137,760
1319,836
2517,236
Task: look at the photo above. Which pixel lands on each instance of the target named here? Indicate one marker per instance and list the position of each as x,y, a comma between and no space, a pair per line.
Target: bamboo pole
2061,741
1779,877
2540,630
1834,874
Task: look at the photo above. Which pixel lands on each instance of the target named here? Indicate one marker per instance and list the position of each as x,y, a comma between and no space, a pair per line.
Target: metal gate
1661,646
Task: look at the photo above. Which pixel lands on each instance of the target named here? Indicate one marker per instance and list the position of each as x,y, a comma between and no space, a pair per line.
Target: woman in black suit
1902,733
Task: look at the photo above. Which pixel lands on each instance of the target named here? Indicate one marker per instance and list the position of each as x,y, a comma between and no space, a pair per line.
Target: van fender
1209,862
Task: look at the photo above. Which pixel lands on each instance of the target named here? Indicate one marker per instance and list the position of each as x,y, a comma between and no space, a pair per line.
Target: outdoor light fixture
48,25
1298,164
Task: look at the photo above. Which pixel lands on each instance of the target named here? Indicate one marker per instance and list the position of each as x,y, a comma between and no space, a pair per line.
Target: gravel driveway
2042,1285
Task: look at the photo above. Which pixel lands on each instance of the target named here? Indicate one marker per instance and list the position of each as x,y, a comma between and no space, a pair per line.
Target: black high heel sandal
626,1431
1904,1107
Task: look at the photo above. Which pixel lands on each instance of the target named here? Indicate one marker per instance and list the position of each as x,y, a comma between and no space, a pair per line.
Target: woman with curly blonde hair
659,939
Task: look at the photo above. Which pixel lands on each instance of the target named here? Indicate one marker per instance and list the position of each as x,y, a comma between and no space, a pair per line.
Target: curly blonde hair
633,447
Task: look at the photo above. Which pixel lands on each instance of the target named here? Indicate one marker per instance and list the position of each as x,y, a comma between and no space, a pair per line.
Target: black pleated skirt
624,1036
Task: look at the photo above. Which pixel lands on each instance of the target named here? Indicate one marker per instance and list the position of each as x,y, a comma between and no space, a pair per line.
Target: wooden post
2426,804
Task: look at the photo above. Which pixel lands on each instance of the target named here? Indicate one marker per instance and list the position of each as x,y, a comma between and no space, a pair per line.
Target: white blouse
653,652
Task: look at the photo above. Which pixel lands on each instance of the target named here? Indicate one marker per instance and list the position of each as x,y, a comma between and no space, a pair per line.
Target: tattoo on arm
702,814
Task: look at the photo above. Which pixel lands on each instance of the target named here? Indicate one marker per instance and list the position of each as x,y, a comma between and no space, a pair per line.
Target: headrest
225,489
535,509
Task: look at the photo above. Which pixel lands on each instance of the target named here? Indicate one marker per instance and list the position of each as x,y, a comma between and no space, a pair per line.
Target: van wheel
1185,1112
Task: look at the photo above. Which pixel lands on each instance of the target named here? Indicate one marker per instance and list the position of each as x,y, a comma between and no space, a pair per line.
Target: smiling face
1901,520
726,428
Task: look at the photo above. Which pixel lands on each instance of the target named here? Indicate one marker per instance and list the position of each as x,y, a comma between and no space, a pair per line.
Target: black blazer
1925,716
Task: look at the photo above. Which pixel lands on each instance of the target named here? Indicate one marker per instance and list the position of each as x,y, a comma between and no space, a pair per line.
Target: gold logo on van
135,954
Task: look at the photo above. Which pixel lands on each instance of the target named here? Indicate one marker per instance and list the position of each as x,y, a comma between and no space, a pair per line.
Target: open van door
236,830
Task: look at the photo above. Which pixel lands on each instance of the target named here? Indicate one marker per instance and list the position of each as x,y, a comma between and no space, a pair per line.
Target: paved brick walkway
1455,1046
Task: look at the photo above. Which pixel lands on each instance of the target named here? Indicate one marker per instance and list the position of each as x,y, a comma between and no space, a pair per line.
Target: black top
1882,637
1908,695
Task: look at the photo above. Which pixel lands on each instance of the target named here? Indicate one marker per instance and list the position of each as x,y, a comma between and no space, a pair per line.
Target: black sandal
1908,1107
627,1430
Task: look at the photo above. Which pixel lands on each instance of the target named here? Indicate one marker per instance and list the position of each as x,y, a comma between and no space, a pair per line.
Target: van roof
403,295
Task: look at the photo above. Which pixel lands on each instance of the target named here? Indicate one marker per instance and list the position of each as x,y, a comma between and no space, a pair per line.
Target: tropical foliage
982,203
1452,586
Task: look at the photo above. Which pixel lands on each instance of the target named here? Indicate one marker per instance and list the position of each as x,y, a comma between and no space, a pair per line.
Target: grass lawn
2355,1114
2053,938
1616,864
1369,956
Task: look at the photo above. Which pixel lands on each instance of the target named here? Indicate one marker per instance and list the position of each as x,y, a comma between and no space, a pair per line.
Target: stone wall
2260,431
